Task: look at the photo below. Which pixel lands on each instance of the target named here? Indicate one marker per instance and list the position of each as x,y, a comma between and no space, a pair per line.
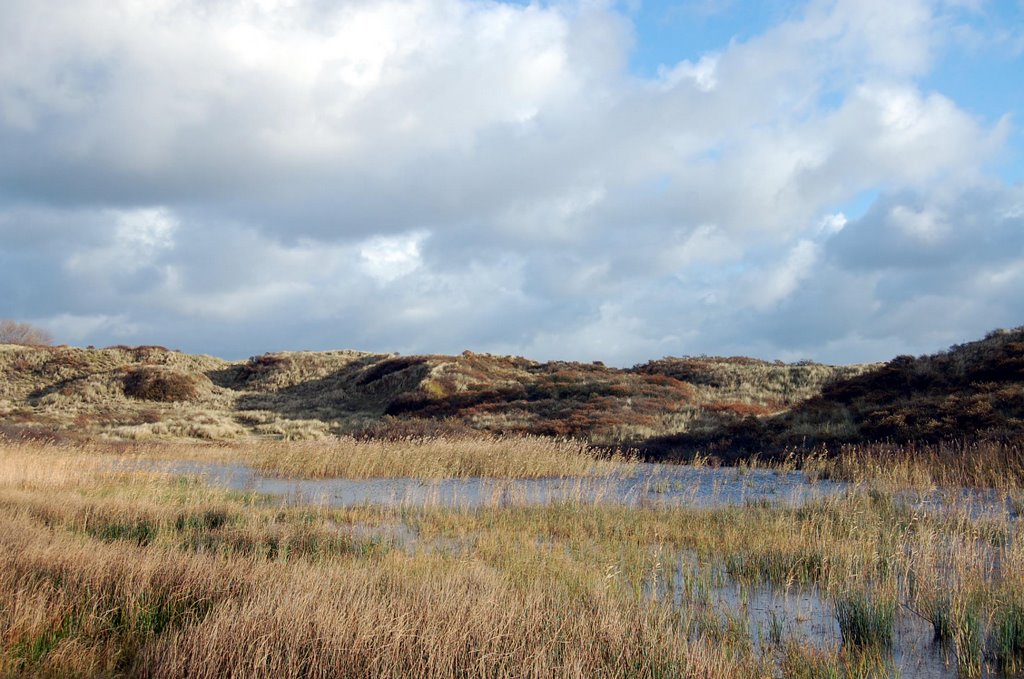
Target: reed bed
523,457
866,618
964,464
436,457
105,571
161,577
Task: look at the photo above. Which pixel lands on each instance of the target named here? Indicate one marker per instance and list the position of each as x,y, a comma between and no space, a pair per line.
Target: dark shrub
150,383
387,367
257,366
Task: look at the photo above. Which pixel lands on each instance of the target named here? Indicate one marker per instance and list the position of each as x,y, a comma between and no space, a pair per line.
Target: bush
150,383
12,332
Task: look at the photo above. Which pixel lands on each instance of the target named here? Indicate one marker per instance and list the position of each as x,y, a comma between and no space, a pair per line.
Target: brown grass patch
151,383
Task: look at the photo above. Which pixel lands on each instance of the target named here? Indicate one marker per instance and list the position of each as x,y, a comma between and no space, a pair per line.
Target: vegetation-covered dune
971,392
667,408
145,392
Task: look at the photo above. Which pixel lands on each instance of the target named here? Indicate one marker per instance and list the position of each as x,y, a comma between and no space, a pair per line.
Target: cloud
764,289
72,328
918,270
434,175
137,240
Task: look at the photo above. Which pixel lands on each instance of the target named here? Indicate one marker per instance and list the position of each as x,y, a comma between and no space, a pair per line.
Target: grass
866,619
435,457
526,457
1008,636
105,571
82,594
957,464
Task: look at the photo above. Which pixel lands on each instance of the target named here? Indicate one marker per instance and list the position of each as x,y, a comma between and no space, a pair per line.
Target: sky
835,180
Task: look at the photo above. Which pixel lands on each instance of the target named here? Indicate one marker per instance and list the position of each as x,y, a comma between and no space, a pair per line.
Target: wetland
169,560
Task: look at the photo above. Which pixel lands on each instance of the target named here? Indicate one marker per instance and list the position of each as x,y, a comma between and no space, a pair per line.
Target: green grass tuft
866,620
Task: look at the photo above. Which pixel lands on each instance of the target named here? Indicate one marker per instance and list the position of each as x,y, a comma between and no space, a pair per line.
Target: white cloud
72,328
765,288
925,225
137,239
832,224
701,74
430,175
387,258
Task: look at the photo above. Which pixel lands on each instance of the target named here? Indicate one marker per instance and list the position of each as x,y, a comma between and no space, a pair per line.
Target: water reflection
644,484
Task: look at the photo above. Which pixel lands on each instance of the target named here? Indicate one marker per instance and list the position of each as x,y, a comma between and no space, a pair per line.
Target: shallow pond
805,615
643,484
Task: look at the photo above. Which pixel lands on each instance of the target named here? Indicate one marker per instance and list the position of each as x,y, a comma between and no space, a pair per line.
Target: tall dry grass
348,457
105,571
436,457
964,464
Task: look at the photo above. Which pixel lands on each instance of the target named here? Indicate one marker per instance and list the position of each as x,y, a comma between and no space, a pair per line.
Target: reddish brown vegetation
150,383
741,409
555,399
973,392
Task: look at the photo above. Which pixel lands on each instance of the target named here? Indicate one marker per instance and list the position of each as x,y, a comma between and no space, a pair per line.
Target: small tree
12,332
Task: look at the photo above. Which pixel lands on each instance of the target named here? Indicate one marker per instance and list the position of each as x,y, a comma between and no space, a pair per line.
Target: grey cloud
980,225
232,180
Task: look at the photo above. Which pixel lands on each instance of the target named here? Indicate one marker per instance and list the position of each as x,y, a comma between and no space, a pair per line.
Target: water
802,613
644,485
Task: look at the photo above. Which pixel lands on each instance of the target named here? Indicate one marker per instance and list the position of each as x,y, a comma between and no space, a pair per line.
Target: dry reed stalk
105,571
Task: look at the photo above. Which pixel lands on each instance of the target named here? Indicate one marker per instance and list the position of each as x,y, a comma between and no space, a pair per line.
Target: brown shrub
261,365
150,383
393,428
739,408
149,416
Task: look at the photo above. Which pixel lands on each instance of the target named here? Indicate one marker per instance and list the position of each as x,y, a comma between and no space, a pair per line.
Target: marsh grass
950,464
968,635
108,571
804,662
1008,636
866,618
437,457
347,457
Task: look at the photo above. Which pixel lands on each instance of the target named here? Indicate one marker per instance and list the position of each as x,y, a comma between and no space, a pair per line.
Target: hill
147,392
970,392
667,408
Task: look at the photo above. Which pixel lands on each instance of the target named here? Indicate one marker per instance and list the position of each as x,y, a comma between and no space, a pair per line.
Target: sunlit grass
106,571
346,457
501,457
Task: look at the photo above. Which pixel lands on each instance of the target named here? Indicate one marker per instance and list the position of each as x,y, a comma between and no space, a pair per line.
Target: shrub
150,383
13,332
380,370
262,365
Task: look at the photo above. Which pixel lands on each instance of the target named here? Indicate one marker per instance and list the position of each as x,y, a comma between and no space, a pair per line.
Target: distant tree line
13,332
